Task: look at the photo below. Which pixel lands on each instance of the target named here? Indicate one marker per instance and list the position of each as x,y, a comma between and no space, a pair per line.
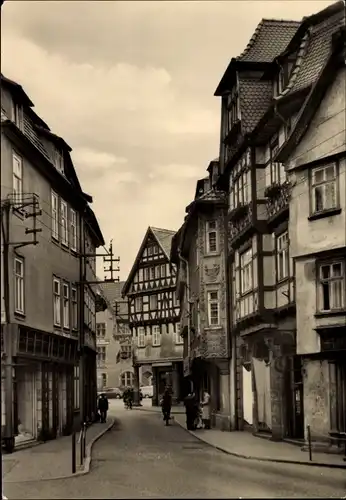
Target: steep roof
163,238
270,38
314,50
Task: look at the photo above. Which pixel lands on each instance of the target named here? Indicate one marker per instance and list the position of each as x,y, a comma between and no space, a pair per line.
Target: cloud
176,172
91,159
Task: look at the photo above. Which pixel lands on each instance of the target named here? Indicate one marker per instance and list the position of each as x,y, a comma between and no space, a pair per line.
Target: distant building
46,223
154,314
113,340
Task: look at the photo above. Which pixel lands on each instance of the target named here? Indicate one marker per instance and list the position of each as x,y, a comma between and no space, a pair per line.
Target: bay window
212,236
213,308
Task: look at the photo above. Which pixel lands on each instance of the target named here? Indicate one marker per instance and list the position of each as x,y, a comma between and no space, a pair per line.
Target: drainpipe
181,258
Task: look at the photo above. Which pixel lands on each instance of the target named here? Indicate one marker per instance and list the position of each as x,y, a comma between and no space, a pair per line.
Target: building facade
199,253
46,224
113,340
154,314
315,159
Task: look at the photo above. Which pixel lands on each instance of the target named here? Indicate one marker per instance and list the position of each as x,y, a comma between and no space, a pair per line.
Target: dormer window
16,115
59,161
284,75
233,108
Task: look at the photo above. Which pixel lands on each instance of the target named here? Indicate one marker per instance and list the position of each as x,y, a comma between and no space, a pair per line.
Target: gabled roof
163,238
270,39
315,48
310,107
17,90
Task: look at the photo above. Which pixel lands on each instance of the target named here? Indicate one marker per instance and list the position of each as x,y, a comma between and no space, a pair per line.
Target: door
298,399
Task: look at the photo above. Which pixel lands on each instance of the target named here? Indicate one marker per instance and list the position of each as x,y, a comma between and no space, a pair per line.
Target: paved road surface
141,457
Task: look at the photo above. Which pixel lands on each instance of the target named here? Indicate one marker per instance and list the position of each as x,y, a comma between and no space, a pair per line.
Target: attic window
59,161
285,74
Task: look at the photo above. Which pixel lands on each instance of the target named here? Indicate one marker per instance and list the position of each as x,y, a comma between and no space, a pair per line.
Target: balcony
239,219
30,132
278,197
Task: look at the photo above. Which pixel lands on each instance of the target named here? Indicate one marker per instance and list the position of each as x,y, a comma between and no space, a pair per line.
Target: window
152,273
198,319
76,387
64,230
19,285
178,338
127,379
17,178
141,336
55,216
140,275
74,308
16,115
59,161
213,308
73,225
138,304
57,302
66,305
332,285
277,170
246,271
157,272
146,273
101,356
323,187
153,302
163,271
233,110
101,330
156,336
282,256
211,236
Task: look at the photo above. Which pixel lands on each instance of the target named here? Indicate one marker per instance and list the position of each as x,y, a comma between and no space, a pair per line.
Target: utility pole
13,203
108,257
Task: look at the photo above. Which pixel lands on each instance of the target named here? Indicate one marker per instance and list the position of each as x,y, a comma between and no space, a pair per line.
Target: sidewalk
51,460
245,445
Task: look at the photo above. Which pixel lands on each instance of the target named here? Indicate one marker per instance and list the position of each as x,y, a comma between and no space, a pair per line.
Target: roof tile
270,38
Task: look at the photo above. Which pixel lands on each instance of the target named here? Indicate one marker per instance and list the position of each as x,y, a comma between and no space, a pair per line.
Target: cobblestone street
140,457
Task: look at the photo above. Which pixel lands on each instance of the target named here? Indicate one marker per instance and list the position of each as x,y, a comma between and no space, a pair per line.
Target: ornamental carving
212,272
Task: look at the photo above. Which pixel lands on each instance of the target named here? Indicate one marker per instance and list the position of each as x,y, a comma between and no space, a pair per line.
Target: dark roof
255,96
326,77
164,239
314,51
57,140
270,38
17,90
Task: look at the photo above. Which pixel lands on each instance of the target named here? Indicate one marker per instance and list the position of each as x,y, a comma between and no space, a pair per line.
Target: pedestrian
206,409
166,404
103,408
190,409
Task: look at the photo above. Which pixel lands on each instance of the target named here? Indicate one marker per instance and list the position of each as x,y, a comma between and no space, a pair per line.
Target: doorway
26,403
294,399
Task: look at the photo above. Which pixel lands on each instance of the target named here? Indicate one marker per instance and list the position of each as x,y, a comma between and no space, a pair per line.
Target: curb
264,459
86,466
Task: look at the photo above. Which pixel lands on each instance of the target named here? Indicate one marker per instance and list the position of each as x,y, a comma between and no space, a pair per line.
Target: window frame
141,336
210,302
73,224
284,252
18,160
66,305
315,185
151,297
125,375
99,329
178,338
56,301
156,335
137,301
55,215
74,308
101,360
21,279
331,279
59,161
210,231
64,222
242,267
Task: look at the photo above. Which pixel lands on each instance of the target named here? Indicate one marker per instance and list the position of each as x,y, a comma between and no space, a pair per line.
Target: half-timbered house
154,313
246,93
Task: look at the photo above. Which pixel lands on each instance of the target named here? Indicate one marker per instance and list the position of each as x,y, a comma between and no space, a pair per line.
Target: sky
130,87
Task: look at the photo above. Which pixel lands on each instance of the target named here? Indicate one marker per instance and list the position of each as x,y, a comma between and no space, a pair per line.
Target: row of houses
48,306
260,256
